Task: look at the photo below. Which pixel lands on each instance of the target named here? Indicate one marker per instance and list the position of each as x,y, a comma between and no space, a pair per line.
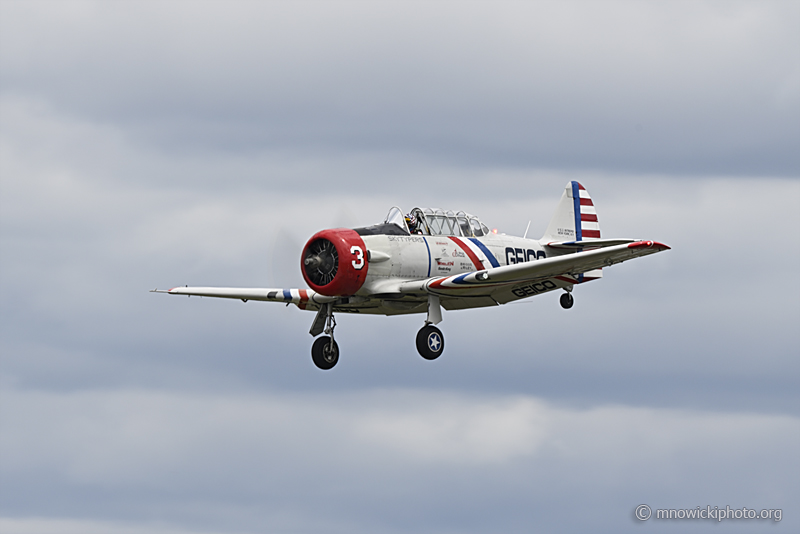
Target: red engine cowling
334,262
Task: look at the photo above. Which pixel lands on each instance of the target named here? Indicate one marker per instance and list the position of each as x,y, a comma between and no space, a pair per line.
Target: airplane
431,259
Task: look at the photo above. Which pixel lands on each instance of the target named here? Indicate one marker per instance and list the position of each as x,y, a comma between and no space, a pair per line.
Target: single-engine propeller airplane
431,259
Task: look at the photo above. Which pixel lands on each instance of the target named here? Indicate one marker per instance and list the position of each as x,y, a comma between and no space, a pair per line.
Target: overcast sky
153,144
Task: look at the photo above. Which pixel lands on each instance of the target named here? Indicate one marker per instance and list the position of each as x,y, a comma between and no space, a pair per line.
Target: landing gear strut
325,351
567,301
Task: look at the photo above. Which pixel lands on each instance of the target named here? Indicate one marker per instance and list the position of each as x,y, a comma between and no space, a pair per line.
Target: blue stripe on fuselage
485,250
287,294
429,256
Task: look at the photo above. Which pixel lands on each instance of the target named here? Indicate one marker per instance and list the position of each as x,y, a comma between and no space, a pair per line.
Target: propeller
321,262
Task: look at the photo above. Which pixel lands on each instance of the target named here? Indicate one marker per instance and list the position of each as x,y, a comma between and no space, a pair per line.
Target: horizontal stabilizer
589,243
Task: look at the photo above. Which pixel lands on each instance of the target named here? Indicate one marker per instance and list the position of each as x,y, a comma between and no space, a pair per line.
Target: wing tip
649,244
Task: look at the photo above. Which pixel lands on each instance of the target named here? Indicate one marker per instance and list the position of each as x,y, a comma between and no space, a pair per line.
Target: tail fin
575,218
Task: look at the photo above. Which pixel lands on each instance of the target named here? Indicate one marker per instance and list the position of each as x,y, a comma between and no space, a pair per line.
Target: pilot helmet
411,221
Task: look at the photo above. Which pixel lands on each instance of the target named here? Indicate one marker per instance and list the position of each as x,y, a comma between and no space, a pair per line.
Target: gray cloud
683,88
347,461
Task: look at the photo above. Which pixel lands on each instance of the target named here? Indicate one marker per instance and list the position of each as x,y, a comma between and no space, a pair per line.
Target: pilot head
411,221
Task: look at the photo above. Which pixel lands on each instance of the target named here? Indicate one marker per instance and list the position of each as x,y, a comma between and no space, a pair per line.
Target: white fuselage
417,257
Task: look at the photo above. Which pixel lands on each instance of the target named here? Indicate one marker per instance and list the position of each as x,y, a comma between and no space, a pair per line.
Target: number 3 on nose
358,263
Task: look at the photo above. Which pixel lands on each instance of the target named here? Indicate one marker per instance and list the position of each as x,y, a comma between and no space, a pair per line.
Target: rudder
575,218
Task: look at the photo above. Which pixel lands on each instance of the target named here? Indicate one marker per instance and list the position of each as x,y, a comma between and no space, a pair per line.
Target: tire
567,301
430,342
325,353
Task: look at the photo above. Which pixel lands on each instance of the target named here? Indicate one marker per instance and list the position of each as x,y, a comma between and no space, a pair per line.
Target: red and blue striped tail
586,223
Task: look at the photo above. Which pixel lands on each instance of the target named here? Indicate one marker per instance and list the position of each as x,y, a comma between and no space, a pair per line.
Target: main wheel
430,342
567,301
325,352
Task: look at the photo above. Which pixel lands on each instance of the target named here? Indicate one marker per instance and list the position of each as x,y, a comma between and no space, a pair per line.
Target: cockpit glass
439,225
440,222
462,222
452,224
395,216
476,227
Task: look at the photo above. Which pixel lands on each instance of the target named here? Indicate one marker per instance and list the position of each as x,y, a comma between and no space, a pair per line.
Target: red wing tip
649,244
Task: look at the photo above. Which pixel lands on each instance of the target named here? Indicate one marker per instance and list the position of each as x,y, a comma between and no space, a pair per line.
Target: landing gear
567,301
430,342
325,352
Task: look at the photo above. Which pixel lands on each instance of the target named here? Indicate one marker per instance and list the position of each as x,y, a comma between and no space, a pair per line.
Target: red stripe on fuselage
591,217
303,295
586,202
590,233
472,255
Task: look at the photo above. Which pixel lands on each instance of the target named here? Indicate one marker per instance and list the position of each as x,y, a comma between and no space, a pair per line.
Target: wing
303,298
511,282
